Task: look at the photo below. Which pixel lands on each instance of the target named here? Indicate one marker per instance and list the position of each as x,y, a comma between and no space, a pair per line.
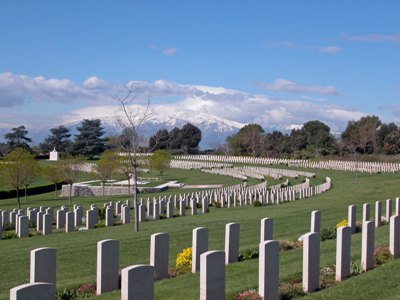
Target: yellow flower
342,223
184,261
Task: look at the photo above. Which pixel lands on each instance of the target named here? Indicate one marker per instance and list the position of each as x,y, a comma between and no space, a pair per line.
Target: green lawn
76,252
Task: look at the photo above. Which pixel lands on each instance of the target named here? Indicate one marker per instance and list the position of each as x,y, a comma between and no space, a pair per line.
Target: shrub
248,295
285,245
184,261
102,213
355,267
100,224
218,204
327,276
342,223
328,234
66,294
9,235
382,255
298,244
257,203
247,254
291,290
86,290
8,226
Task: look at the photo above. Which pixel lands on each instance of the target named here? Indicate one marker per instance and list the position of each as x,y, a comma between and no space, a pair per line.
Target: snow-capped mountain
214,129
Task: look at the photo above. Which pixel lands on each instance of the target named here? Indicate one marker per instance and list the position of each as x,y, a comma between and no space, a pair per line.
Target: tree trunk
102,197
70,192
135,204
19,203
26,194
55,190
129,185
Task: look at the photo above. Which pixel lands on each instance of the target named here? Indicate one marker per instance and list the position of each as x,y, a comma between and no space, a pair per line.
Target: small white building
53,155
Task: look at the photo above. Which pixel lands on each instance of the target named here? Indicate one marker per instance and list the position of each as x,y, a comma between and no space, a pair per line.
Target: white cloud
169,51
292,45
330,49
18,89
372,38
95,83
285,85
168,98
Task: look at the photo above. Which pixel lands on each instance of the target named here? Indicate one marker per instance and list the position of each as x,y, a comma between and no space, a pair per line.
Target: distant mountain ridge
214,129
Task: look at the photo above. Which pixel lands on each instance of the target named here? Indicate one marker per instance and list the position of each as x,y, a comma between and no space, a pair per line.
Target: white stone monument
53,155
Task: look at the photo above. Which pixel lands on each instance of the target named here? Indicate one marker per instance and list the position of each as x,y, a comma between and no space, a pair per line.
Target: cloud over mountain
169,100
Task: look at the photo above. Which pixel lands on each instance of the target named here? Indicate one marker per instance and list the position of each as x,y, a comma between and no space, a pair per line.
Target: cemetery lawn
76,251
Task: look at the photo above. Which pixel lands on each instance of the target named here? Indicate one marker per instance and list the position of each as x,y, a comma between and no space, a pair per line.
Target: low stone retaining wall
84,190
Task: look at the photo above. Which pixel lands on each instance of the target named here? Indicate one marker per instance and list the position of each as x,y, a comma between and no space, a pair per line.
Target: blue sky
277,63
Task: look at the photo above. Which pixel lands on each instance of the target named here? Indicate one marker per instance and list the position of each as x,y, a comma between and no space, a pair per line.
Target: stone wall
85,190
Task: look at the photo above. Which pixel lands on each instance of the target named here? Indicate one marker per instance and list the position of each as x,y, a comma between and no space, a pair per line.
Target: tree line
90,141
368,135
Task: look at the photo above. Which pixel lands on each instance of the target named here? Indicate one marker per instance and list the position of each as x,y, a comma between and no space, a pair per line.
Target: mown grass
76,252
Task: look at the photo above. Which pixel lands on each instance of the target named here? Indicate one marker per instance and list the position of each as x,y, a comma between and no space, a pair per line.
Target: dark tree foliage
362,135
4,149
59,139
391,143
319,138
384,131
89,141
185,140
160,140
274,143
175,140
17,138
249,140
191,137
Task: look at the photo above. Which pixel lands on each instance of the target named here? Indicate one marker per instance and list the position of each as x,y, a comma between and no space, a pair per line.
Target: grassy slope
76,252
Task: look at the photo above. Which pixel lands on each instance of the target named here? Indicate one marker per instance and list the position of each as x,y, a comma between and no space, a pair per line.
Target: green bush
66,294
8,226
355,267
9,235
247,254
291,290
257,203
328,233
382,255
102,213
100,224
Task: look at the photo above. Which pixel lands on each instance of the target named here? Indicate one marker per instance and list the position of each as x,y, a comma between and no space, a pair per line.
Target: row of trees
365,136
89,140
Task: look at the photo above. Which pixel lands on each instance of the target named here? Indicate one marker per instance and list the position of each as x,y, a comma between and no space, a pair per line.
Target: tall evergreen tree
17,138
59,139
191,137
89,141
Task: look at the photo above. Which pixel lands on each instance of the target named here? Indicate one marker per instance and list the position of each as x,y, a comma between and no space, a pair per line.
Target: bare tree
69,168
130,122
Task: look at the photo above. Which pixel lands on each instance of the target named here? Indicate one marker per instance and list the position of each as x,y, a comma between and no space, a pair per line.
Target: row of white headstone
189,165
43,217
256,172
368,167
